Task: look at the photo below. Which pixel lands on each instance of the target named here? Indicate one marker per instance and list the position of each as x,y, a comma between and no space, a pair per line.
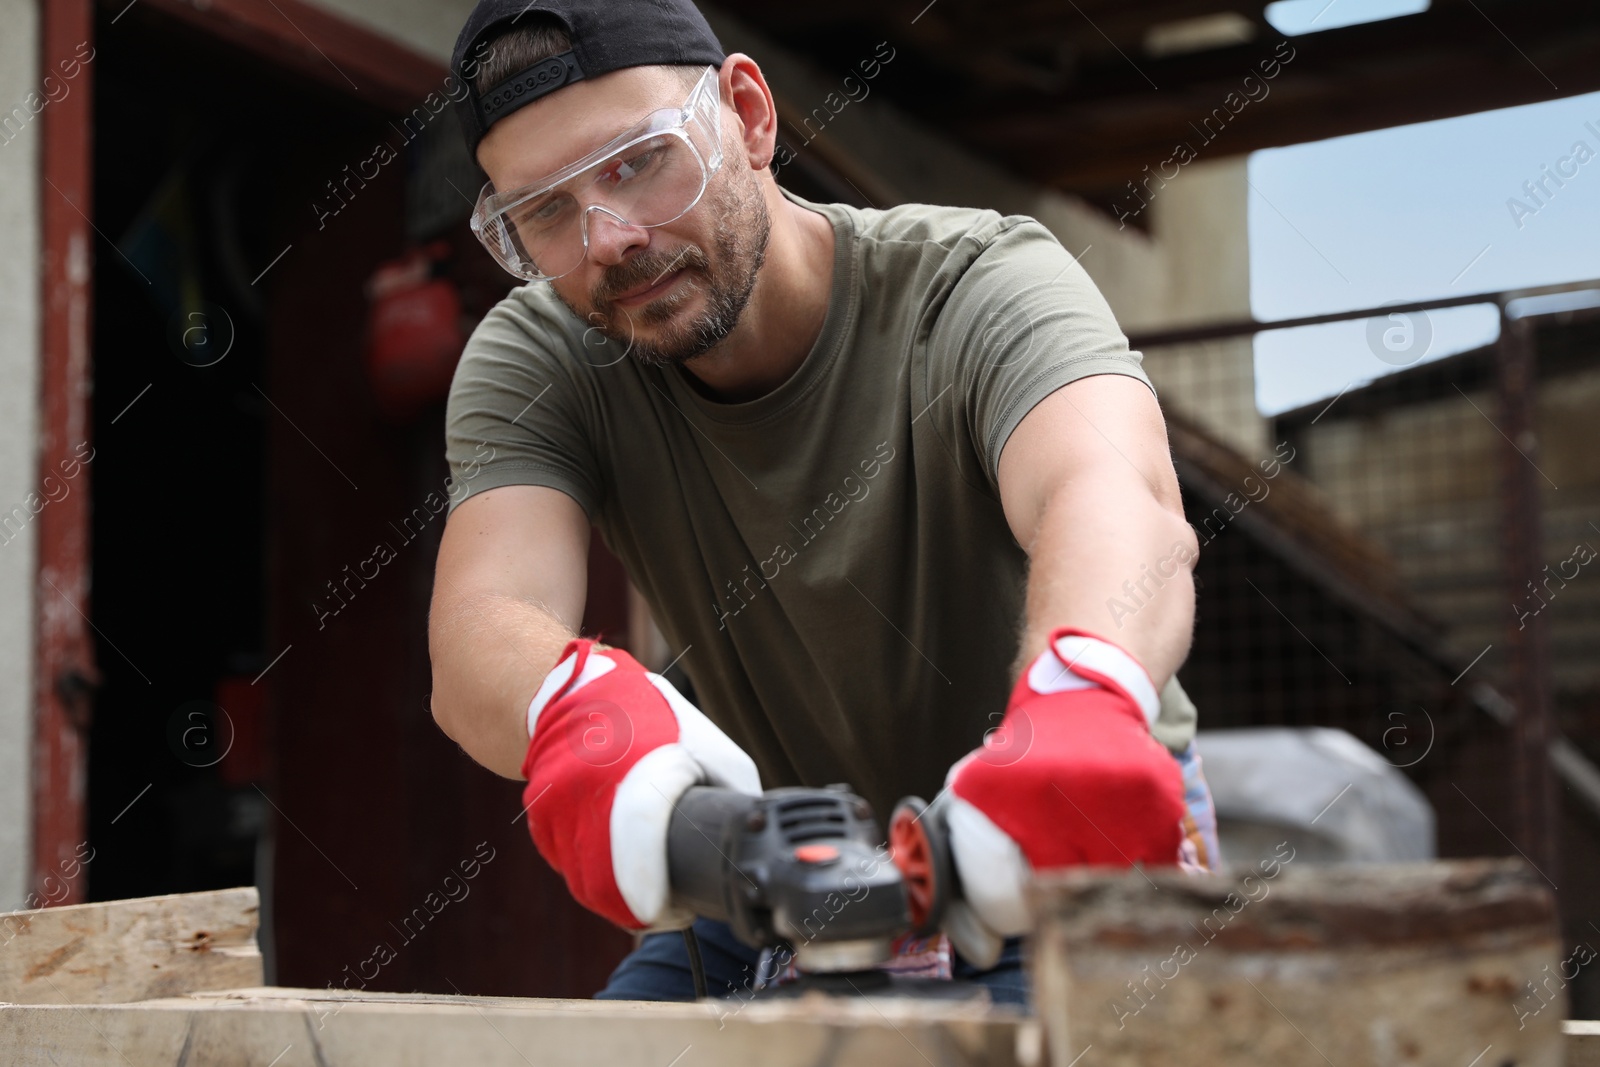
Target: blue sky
1412,213
1310,16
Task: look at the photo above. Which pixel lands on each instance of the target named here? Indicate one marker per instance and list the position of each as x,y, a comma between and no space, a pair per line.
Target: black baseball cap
606,35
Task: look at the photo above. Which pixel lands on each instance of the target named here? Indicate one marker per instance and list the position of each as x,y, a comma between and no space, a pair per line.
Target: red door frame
292,35
64,647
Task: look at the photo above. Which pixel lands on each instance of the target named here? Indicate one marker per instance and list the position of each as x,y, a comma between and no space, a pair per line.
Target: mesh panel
1361,568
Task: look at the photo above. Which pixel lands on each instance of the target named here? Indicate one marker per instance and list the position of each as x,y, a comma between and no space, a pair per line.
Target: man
873,470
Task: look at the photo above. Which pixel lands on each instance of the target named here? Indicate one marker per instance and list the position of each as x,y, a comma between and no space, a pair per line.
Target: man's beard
743,227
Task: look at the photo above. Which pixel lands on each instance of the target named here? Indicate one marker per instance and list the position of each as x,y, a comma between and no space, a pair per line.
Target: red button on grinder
816,853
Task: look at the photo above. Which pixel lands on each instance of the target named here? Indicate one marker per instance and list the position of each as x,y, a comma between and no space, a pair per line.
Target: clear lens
650,176
703,114
648,184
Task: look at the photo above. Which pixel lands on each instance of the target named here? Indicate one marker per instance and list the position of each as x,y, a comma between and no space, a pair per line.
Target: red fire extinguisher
414,335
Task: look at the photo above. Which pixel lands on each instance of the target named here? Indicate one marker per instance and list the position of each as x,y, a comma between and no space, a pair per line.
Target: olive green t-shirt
831,558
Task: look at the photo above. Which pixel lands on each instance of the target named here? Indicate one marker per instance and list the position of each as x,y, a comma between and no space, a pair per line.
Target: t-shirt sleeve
1175,726
516,414
1023,320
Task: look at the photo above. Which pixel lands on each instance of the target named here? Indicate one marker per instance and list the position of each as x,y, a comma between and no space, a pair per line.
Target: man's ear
745,90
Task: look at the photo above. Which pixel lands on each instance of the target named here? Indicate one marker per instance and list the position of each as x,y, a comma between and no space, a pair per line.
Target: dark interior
245,731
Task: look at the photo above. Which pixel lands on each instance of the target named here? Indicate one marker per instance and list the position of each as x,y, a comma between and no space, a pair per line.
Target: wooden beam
1006,21
1066,95
1412,961
1281,963
313,1028
127,950
1583,1042
1123,113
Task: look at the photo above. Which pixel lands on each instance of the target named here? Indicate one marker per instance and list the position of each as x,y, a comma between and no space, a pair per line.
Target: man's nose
612,237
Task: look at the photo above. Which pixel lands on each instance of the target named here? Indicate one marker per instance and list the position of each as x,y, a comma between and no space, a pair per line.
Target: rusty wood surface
1306,908
1423,964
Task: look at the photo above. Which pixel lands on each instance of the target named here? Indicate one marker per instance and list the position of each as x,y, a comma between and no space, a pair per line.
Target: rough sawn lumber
126,950
317,1028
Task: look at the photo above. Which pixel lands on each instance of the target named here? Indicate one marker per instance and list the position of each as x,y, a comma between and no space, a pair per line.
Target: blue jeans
659,969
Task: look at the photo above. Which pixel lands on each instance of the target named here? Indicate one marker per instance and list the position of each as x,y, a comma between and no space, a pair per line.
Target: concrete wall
19,393
1201,223
1423,482
426,26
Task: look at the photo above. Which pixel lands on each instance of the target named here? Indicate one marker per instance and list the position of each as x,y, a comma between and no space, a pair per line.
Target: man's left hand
1072,777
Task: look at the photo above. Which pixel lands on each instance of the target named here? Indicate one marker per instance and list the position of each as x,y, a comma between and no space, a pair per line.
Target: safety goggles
649,176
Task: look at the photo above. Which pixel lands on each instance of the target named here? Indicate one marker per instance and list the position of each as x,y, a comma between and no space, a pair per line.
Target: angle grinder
807,868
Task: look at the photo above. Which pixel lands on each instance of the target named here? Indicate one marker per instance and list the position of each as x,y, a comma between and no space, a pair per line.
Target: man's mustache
644,268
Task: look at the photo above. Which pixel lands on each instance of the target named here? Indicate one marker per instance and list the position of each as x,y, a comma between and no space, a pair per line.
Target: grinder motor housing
805,866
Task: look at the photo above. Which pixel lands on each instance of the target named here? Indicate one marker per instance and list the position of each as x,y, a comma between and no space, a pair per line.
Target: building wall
19,391
1423,481
426,26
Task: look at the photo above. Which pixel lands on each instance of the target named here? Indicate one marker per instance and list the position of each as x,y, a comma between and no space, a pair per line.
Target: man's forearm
1117,564
490,655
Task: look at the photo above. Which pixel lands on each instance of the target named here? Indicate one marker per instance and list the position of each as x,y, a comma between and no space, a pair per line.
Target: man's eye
543,212
642,161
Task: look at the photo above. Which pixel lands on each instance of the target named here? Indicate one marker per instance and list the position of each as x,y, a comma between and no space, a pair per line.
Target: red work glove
611,749
1072,777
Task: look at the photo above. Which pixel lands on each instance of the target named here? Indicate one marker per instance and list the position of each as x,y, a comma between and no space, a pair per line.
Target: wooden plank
1424,964
1583,1042
313,1028
127,950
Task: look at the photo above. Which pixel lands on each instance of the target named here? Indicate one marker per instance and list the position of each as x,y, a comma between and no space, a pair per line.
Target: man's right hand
611,749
